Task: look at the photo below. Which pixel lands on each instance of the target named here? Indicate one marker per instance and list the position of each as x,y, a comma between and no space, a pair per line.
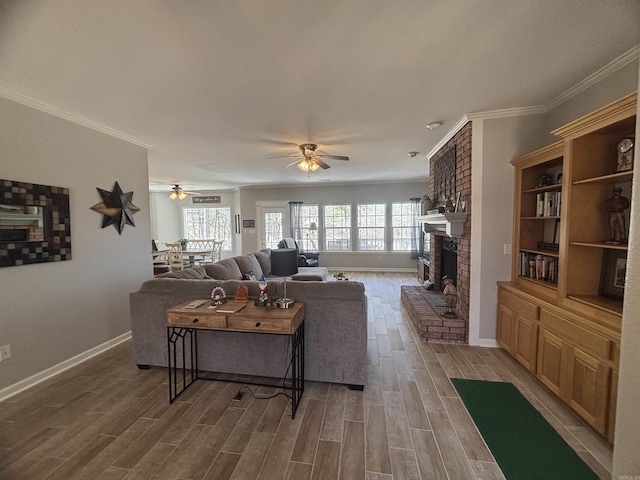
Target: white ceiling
217,87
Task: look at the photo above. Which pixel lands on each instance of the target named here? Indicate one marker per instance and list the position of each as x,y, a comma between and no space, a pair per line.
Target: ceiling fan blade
335,157
284,156
321,164
292,163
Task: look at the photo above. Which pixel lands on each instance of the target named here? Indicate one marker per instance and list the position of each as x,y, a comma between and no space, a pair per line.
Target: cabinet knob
195,320
257,324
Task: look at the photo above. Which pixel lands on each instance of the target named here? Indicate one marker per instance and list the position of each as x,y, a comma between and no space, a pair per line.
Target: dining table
202,256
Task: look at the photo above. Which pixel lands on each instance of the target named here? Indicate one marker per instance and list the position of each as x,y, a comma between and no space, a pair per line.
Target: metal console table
182,341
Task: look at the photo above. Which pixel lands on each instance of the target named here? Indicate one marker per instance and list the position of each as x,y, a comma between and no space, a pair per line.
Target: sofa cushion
264,259
248,264
226,269
197,273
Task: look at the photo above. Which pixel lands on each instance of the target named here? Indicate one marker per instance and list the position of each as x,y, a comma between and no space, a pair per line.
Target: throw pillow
249,264
226,269
264,259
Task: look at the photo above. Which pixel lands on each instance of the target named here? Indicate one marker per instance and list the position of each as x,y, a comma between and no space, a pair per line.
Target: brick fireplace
441,245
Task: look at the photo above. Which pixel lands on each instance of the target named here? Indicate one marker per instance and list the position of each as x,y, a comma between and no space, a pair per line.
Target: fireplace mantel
450,223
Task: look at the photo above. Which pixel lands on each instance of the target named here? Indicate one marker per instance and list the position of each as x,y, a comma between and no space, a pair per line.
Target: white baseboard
484,342
29,382
373,269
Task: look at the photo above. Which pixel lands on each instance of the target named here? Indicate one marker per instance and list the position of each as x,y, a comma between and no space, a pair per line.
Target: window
337,227
272,228
208,223
309,216
402,226
371,226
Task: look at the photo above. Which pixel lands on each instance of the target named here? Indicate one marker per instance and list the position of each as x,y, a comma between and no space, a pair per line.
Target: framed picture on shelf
614,269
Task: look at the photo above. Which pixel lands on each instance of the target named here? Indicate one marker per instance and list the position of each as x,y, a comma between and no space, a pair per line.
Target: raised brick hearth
425,309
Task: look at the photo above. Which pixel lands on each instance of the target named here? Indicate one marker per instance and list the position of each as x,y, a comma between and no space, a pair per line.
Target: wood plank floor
105,419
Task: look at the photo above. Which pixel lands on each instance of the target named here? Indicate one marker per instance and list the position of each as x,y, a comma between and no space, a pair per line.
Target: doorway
273,225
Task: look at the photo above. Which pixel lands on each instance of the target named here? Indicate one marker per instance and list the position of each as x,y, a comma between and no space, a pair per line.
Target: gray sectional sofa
335,322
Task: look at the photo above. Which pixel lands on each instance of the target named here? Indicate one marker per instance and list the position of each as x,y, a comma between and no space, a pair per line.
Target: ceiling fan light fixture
307,165
177,193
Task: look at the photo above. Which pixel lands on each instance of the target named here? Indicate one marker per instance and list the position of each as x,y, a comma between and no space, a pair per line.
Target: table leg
297,369
176,337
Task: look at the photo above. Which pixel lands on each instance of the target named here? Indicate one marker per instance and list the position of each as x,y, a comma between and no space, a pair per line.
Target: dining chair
202,246
175,256
216,252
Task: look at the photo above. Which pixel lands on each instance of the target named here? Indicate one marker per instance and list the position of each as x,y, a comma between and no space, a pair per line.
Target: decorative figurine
616,205
218,297
544,180
263,298
242,293
449,207
451,298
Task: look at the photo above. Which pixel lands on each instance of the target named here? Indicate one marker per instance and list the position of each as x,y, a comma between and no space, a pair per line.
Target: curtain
417,245
296,222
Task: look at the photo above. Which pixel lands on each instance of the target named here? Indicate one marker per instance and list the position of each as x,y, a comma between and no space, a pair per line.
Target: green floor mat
521,440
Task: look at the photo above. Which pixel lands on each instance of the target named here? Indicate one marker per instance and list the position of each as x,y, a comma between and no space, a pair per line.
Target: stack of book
539,267
548,204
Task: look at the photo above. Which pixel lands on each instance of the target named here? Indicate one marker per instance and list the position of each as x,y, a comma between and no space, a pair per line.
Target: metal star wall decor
116,208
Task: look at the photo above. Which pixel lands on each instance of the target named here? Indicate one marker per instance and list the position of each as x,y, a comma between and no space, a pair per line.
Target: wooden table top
250,319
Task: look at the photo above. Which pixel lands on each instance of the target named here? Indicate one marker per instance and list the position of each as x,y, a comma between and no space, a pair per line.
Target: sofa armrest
311,255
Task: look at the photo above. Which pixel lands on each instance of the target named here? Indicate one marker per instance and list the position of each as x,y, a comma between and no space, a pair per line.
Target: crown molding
507,112
449,135
43,107
613,66
616,64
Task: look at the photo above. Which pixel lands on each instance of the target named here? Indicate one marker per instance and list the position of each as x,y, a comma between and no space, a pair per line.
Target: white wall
167,216
495,142
618,84
626,461
336,194
52,312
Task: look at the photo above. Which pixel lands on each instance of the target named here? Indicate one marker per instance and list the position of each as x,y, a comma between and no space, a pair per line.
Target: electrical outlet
507,249
5,352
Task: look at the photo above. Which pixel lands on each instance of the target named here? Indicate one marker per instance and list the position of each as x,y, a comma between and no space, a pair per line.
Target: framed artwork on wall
34,223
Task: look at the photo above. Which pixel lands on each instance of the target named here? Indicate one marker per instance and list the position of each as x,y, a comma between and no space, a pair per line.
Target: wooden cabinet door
551,369
587,389
506,327
526,342
613,400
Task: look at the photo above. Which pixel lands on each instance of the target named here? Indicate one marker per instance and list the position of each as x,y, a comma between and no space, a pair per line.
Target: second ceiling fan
310,158
177,193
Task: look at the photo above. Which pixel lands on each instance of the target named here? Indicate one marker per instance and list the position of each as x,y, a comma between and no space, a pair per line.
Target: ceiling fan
177,193
310,158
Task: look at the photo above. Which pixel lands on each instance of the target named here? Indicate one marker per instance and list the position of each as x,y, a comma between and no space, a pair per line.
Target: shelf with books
568,275
539,267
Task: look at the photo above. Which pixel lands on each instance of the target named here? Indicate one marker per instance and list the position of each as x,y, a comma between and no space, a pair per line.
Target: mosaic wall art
53,202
